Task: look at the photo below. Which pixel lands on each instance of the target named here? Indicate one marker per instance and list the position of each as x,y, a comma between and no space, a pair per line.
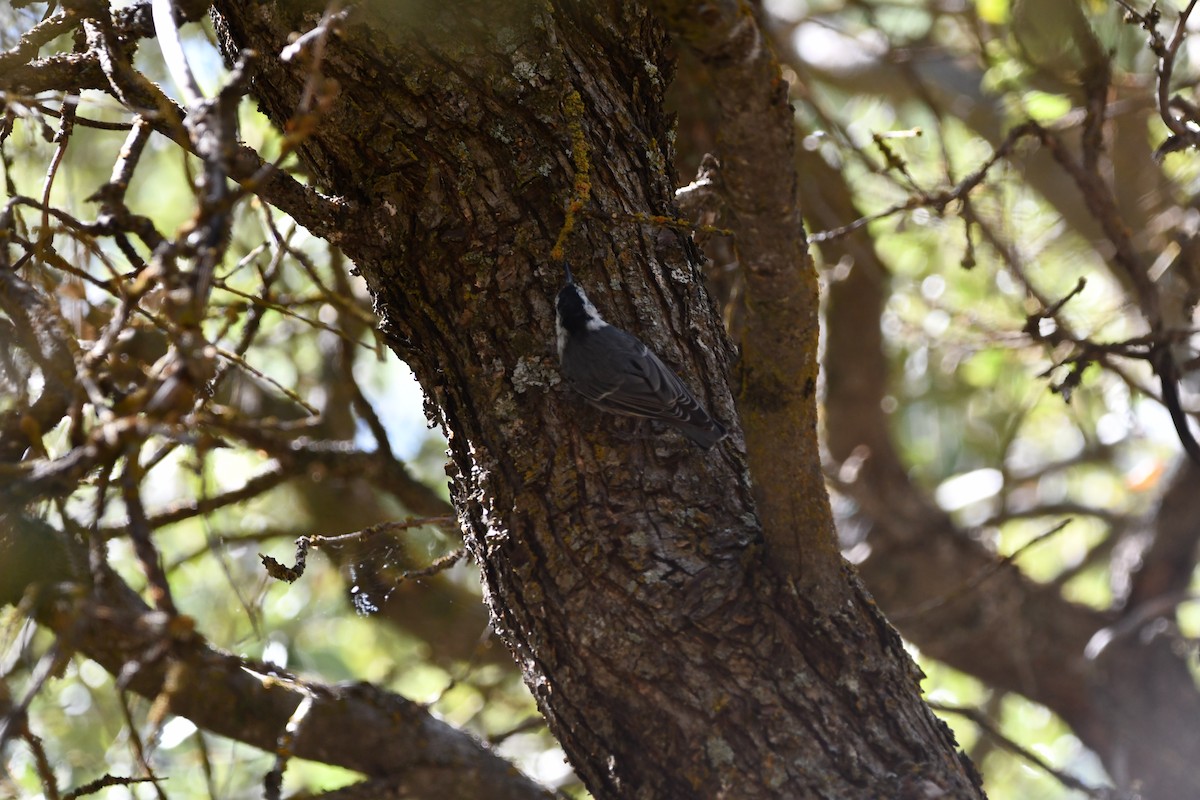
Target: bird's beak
567,267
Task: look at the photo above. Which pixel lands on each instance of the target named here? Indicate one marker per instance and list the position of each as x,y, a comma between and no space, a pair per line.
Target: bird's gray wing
631,379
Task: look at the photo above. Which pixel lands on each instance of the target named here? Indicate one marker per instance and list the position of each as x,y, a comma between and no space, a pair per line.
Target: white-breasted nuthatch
617,373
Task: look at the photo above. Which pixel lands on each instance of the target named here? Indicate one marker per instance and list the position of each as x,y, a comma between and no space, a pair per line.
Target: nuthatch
616,372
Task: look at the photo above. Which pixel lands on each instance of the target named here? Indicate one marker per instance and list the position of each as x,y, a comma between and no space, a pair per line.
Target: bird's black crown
573,309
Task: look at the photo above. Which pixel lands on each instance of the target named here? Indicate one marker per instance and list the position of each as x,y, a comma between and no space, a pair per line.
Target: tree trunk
626,570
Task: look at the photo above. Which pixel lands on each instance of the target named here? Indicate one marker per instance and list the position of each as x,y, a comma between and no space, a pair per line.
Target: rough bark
777,371
625,570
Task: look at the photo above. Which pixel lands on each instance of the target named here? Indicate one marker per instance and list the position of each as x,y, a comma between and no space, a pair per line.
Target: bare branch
1067,780
393,736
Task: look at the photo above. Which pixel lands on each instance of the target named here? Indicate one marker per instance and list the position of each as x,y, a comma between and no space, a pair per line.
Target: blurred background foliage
904,98
907,98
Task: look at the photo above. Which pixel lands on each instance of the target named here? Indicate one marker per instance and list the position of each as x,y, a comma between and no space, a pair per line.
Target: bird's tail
704,433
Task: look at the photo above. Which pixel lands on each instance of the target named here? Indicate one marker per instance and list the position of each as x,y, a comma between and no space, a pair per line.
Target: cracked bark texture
626,571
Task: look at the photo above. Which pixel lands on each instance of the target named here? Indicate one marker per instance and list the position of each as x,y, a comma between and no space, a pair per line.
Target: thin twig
977,579
171,46
288,574
103,783
1070,781
135,741
940,199
285,746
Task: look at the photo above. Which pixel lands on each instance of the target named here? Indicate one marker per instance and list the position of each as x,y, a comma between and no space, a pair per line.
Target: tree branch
778,369
392,737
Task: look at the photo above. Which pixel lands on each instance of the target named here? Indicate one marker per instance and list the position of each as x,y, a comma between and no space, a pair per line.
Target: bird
618,373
